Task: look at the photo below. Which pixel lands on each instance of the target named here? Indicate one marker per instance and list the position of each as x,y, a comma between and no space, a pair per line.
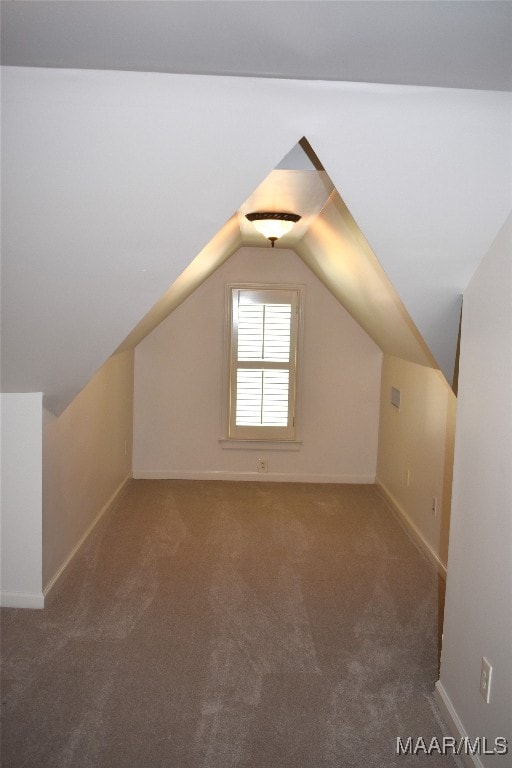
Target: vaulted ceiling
118,185
326,238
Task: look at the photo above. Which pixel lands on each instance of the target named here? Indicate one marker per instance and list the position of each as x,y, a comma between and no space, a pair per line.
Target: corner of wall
87,461
415,454
478,612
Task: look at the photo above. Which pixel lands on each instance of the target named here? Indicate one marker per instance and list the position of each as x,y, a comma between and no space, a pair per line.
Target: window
263,361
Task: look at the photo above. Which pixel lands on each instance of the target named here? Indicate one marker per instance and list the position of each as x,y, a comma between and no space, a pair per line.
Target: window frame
263,433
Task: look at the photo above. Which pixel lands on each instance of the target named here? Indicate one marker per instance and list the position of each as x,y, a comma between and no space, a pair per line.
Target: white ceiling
326,238
292,191
452,44
113,182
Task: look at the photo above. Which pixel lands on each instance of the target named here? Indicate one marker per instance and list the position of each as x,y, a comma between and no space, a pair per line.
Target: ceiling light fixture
272,224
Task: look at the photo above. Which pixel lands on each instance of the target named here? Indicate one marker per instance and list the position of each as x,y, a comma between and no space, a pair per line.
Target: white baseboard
264,477
22,599
454,724
411,528
55,578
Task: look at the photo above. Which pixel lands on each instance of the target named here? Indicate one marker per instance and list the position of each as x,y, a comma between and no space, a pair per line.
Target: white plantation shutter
262,398
263,360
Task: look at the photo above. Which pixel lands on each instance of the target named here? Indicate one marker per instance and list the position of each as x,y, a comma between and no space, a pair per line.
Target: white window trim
228,443
262,435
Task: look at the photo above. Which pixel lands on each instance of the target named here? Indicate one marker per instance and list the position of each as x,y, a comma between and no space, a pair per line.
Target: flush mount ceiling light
272,224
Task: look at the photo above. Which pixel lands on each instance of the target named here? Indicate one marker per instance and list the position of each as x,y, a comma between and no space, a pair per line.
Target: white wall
179,372
478,617
418,439
86,461
21,569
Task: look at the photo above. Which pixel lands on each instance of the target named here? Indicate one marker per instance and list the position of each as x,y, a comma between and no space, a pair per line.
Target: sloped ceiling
336,251
295,185
326,238
113,182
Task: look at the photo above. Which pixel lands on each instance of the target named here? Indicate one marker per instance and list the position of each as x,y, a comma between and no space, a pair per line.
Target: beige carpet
215,624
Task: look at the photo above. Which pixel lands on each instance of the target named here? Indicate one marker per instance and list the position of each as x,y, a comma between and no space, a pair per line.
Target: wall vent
395,397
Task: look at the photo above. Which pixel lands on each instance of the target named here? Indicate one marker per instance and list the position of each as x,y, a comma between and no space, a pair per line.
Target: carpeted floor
216,624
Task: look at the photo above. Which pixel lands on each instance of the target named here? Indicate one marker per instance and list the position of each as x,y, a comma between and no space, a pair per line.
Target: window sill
232,444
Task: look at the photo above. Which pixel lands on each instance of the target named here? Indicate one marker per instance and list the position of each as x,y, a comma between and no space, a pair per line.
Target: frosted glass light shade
273,227
272,224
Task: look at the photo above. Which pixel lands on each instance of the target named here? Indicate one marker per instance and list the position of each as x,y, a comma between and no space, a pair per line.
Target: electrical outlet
262,465
485,679
434,506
